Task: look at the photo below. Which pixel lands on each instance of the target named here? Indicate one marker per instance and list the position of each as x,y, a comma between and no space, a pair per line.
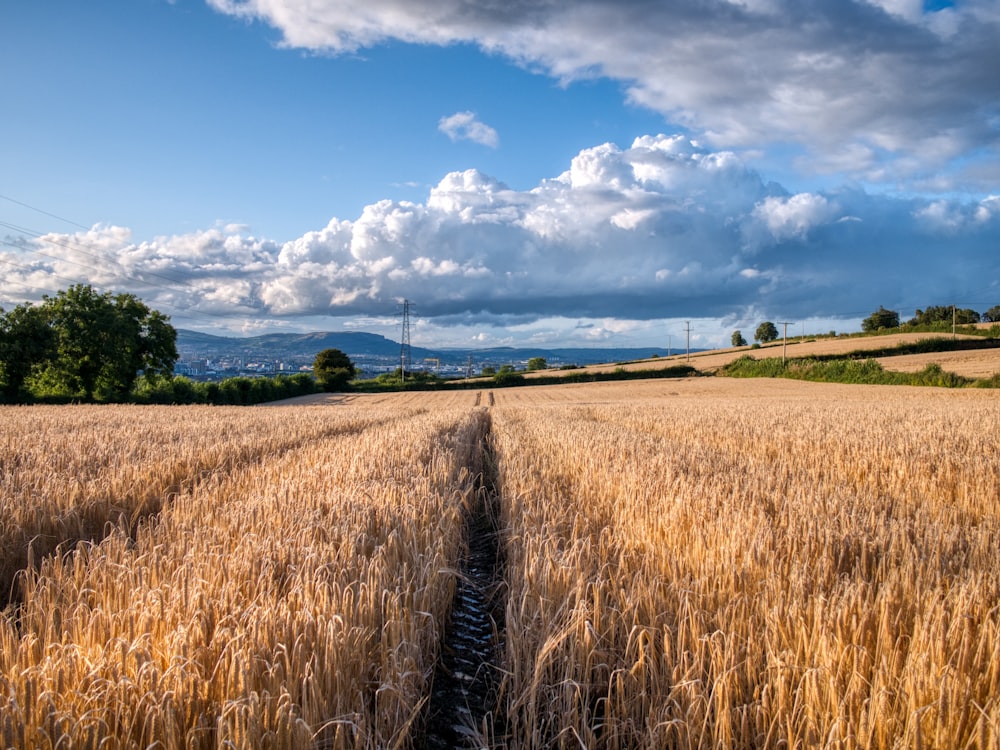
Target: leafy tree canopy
333,369
84,344
104,341
944,314
880,319
992,315
537,363
738,340
25,341
766,332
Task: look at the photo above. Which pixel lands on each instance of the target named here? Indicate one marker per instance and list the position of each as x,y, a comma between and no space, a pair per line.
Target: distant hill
302,344
358,345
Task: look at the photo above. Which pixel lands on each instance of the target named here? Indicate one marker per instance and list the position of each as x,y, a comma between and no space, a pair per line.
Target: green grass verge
844,370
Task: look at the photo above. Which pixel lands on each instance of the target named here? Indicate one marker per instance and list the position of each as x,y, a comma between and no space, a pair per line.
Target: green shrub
991,382
159,390
935,376
748,367
235,391
208,393
507,377
843,370
299,384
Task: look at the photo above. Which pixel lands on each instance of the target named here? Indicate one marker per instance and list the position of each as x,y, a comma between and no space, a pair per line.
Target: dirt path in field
463,707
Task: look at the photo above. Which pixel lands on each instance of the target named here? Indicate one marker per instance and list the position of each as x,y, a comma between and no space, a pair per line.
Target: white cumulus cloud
662,228
465,126
794,216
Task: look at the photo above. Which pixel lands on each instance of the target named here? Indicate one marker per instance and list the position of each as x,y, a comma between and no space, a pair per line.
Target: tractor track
464,706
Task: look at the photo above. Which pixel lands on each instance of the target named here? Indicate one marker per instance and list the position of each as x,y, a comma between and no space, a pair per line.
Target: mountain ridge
362,344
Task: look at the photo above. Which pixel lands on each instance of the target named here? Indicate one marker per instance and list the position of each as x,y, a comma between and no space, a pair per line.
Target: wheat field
763,566
293,600
69,472
692,563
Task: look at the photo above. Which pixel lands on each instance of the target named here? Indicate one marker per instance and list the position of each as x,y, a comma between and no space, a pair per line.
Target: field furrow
464,708
728,572
298,600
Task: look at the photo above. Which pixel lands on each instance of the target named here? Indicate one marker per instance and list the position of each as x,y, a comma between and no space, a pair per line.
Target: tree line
933,316
90,346
82,345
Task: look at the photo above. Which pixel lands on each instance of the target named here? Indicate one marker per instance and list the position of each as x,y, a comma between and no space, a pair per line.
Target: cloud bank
663,229
886,91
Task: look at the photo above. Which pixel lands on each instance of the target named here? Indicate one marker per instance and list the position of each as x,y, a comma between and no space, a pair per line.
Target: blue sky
549,173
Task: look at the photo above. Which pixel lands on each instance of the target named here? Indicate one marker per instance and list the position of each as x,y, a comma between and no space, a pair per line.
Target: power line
23,267
45,213
100,287
171,285
78,247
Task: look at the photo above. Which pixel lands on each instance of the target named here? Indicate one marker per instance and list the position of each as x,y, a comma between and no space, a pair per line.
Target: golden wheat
296,600
690,564
67,472
811,567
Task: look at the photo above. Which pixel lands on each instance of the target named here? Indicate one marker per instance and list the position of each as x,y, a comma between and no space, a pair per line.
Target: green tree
966,316
148,342
880,319
766,332
26,342
333,370
103,342
537,363
944,314
489,370
737,339
992,315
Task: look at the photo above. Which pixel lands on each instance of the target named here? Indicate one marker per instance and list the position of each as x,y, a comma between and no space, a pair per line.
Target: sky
525,173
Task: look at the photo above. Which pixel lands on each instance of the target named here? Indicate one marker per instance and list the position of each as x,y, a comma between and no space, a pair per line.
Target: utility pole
404,342
687,323
784,341
953,317
668,344
468,368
